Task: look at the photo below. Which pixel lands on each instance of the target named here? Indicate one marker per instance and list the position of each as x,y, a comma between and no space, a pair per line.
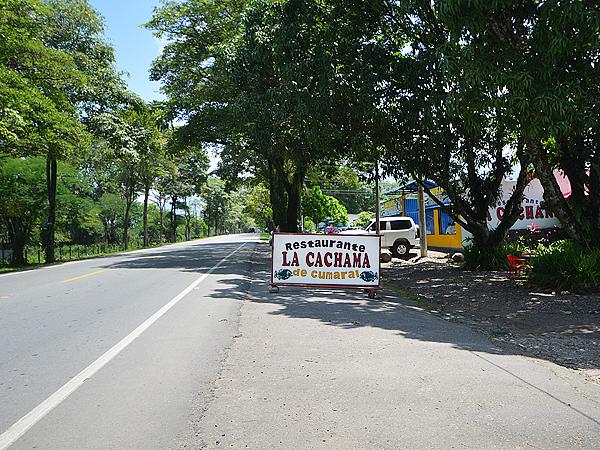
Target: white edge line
20,427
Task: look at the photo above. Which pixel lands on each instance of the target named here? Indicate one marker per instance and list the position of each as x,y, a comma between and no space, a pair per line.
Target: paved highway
154,350
117,352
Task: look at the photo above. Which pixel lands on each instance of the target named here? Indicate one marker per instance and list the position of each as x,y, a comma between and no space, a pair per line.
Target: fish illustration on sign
283,274
368,276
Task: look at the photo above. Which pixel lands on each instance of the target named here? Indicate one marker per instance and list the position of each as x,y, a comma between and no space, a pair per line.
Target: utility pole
422,222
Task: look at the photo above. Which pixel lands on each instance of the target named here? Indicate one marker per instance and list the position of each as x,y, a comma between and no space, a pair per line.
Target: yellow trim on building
451,241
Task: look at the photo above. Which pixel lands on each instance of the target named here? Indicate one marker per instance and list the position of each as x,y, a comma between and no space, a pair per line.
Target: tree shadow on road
245,275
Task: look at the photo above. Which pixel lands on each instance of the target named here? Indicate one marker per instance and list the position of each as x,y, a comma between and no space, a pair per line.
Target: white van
399,234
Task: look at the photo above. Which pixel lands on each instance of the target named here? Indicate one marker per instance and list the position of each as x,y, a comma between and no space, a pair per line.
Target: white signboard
533,214
325,260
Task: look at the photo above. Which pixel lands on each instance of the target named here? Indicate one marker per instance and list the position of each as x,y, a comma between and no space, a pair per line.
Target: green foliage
320,207
216,205
258,206
22,189
261,80
363,219
548,80
336,211
309,225
343,183
564,265
490,258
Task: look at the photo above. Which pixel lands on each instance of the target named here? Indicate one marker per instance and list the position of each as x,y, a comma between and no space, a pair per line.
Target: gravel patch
561,327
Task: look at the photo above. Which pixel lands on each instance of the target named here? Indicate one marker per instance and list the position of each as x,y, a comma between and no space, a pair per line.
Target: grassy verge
415,298
31,266
264,236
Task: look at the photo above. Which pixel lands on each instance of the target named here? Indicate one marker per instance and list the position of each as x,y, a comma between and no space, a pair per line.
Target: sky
135,46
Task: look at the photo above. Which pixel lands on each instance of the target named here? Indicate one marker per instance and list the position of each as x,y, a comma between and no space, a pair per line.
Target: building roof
411,186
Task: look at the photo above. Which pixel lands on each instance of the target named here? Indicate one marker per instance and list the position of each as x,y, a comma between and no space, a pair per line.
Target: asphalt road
184,347
117,352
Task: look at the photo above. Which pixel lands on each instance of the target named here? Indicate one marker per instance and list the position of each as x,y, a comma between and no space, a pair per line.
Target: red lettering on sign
539,213
366,262
327,259
500,213
337,261
310,259
347,261
294,261
319,260
529,212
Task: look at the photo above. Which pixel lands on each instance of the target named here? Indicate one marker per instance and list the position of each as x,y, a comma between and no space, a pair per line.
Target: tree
184,178
56,68
343,183
320,207
363,219
258,207
216,202
125,143
22,204
160,198
543,57
151,152
111,208
74,28
424,119
255,78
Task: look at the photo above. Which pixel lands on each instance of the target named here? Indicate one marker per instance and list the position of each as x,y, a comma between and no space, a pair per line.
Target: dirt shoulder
312,368
558,326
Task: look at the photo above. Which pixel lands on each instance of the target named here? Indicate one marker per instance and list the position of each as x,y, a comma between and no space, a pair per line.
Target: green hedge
566,266
486,259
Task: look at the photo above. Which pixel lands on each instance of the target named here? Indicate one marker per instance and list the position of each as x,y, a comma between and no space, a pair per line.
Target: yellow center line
84,276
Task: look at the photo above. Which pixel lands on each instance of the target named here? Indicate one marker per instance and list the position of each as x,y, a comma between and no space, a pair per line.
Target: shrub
565,266
532,239
491,259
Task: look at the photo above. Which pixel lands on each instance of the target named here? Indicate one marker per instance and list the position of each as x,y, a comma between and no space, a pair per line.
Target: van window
373,226
401,224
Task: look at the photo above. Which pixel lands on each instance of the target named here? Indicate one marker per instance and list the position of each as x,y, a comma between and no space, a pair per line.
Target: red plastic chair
515,265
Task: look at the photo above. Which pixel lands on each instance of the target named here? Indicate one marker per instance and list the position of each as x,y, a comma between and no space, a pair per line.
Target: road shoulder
323,369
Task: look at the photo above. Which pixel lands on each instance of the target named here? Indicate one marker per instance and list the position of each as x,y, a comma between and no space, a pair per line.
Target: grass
415,298
264,236
33,265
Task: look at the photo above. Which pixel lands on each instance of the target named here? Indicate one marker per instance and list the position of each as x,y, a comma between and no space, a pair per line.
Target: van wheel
401,249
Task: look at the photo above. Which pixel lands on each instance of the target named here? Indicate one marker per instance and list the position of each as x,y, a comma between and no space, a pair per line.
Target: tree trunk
553,196
277,198
18,240
188,221
472,215
294,191
50,225
146,195
126,224
161,213
173,230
